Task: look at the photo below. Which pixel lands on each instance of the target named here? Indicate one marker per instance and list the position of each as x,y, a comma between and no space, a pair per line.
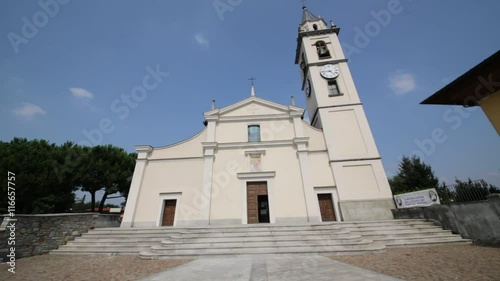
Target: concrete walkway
268,268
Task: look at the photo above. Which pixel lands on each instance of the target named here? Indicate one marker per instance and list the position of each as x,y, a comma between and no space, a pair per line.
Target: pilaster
143,153
301,143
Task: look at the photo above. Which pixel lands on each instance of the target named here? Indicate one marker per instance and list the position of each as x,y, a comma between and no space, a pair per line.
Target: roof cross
252,79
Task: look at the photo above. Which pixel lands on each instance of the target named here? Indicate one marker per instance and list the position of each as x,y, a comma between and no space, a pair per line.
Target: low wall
38,234
479,221
107,220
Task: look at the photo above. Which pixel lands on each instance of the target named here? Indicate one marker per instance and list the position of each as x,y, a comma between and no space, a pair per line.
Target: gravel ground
457,262
85,268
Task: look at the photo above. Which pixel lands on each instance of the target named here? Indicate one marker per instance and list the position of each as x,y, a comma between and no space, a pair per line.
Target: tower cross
252,79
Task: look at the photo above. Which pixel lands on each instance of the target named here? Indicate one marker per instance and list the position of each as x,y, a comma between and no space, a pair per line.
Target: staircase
326,238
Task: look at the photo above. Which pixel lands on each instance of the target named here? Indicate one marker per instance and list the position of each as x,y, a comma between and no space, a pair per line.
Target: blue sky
64,77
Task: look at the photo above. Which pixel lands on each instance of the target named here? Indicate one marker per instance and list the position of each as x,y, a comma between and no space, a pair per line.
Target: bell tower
334,106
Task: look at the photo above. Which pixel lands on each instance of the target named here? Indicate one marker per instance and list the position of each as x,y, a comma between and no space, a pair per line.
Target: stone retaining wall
479,221
38,234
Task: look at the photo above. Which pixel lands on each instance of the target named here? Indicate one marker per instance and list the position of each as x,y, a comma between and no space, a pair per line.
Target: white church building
257,161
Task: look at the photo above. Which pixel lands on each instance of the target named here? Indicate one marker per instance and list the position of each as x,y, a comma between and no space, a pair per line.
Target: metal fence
468,191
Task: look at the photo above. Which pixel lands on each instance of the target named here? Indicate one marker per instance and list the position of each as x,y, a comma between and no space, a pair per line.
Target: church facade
257,161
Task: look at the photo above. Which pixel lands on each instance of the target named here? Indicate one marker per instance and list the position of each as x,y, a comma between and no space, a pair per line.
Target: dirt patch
85,268
454,262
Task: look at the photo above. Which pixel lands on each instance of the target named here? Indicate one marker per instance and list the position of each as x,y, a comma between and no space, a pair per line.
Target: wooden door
254,189
169,213
326,207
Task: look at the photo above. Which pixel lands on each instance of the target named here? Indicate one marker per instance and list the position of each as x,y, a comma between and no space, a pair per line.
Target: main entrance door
169,213
257,202
326,207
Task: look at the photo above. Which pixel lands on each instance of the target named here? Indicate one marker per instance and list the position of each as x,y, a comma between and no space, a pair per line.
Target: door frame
335,200
168,196
257,177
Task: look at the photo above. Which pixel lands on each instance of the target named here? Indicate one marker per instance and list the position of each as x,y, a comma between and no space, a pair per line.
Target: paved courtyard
460,262
272,268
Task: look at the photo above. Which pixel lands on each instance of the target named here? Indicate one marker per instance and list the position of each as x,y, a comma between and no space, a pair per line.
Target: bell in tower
335,108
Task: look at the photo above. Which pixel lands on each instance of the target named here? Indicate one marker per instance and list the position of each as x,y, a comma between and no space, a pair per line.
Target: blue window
253,133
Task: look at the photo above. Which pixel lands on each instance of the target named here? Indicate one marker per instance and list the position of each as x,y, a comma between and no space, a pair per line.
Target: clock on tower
335,108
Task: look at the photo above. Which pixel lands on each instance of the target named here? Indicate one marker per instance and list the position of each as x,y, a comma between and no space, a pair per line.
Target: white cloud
28,110
81,93
402,82
202,40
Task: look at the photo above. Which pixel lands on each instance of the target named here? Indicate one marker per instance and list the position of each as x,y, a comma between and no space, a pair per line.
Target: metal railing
468,191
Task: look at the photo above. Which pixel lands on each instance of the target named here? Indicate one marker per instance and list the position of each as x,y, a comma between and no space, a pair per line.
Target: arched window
322,49
315,26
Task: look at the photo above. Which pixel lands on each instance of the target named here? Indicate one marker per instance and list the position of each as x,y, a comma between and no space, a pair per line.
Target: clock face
329,71
307,87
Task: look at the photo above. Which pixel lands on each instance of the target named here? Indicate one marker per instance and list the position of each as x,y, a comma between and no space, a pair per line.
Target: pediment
254,106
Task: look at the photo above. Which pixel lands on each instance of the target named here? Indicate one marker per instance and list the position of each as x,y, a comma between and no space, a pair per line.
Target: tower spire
308,16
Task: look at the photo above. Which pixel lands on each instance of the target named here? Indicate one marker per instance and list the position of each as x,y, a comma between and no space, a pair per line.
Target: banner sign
421,198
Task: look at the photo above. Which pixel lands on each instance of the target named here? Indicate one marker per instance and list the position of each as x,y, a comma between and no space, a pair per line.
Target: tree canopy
48,174
413,174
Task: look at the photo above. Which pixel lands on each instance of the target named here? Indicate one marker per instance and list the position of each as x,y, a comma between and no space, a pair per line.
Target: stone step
261,233
396,240
132,240
345,235
226,234
95,252
256,227
218,230
323,224
110,243
427,242
127,233
255,244
363,232
113,248
309,230
409,234
330,250
235,247
319,238
156,233
174,236
317,232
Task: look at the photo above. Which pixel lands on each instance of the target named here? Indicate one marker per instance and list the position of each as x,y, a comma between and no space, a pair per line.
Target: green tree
469,191
446,194
104,167
121,172
413,174
81,206
37,189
